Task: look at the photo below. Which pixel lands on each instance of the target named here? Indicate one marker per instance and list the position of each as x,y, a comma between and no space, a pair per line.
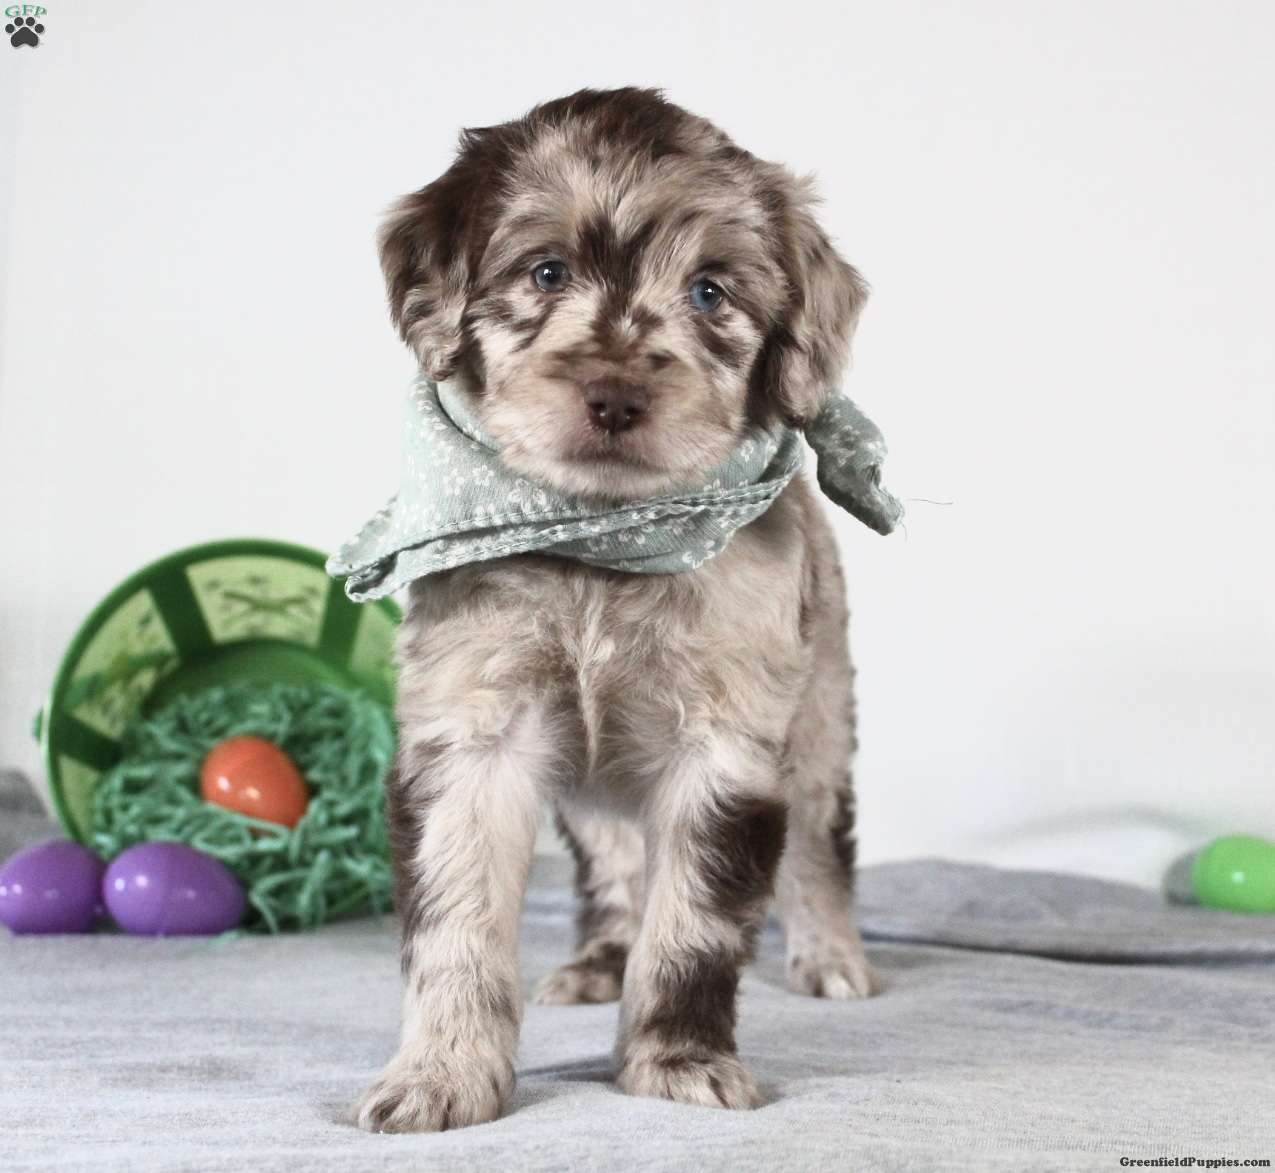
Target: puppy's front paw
712,1081
579,982
842,976
427,1092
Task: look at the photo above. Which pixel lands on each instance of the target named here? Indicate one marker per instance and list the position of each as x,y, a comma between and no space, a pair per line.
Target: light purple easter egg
50,887
169,890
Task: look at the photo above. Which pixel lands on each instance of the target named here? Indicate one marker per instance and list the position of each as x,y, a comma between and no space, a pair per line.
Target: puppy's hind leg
815,888
608,859
462,806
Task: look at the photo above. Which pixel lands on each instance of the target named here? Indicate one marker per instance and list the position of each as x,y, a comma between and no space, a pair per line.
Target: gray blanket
1029,1021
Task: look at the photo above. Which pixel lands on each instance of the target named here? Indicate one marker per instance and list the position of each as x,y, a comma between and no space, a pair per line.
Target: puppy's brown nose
615,405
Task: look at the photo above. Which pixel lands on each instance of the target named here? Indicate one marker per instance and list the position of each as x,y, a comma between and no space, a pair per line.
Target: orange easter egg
256,778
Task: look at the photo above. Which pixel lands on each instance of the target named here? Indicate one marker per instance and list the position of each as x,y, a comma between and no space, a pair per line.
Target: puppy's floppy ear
430,245
808,346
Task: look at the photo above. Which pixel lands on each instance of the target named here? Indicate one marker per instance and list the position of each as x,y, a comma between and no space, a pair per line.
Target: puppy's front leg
713,844
462,811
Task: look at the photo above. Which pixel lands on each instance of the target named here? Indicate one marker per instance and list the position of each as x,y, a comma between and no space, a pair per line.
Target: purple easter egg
169,890
50,887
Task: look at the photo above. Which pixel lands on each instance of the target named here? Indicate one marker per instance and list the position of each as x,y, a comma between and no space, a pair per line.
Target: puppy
620,292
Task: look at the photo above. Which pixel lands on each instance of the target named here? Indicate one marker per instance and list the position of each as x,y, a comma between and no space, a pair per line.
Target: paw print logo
24,29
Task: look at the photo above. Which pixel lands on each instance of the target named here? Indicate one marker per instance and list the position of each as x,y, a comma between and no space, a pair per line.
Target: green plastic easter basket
242,610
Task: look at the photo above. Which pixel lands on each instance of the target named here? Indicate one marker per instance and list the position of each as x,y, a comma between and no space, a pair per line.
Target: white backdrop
1065,211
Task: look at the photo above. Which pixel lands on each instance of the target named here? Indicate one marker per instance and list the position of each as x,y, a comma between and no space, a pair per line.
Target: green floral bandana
458,503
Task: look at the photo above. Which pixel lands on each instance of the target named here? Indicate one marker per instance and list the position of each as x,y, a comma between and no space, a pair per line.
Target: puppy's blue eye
706,295
551,276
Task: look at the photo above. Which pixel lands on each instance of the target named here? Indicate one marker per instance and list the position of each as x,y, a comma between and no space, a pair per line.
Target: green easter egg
1236,872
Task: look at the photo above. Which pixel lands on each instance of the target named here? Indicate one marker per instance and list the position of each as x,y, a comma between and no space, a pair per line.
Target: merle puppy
622,292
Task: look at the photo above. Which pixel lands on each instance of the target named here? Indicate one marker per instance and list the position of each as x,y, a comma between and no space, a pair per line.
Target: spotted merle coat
622,291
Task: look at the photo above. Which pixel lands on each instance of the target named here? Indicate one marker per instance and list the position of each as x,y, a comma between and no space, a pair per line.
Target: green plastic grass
333,863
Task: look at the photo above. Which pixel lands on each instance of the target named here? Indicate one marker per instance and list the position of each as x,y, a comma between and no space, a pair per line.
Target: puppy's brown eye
551,276
706,295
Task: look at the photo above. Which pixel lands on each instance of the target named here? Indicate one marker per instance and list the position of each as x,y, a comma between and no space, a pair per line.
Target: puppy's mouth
615,429
602,451
604,439
611,468
593,468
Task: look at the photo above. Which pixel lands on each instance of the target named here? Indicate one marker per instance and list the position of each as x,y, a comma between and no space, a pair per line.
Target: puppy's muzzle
615,405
